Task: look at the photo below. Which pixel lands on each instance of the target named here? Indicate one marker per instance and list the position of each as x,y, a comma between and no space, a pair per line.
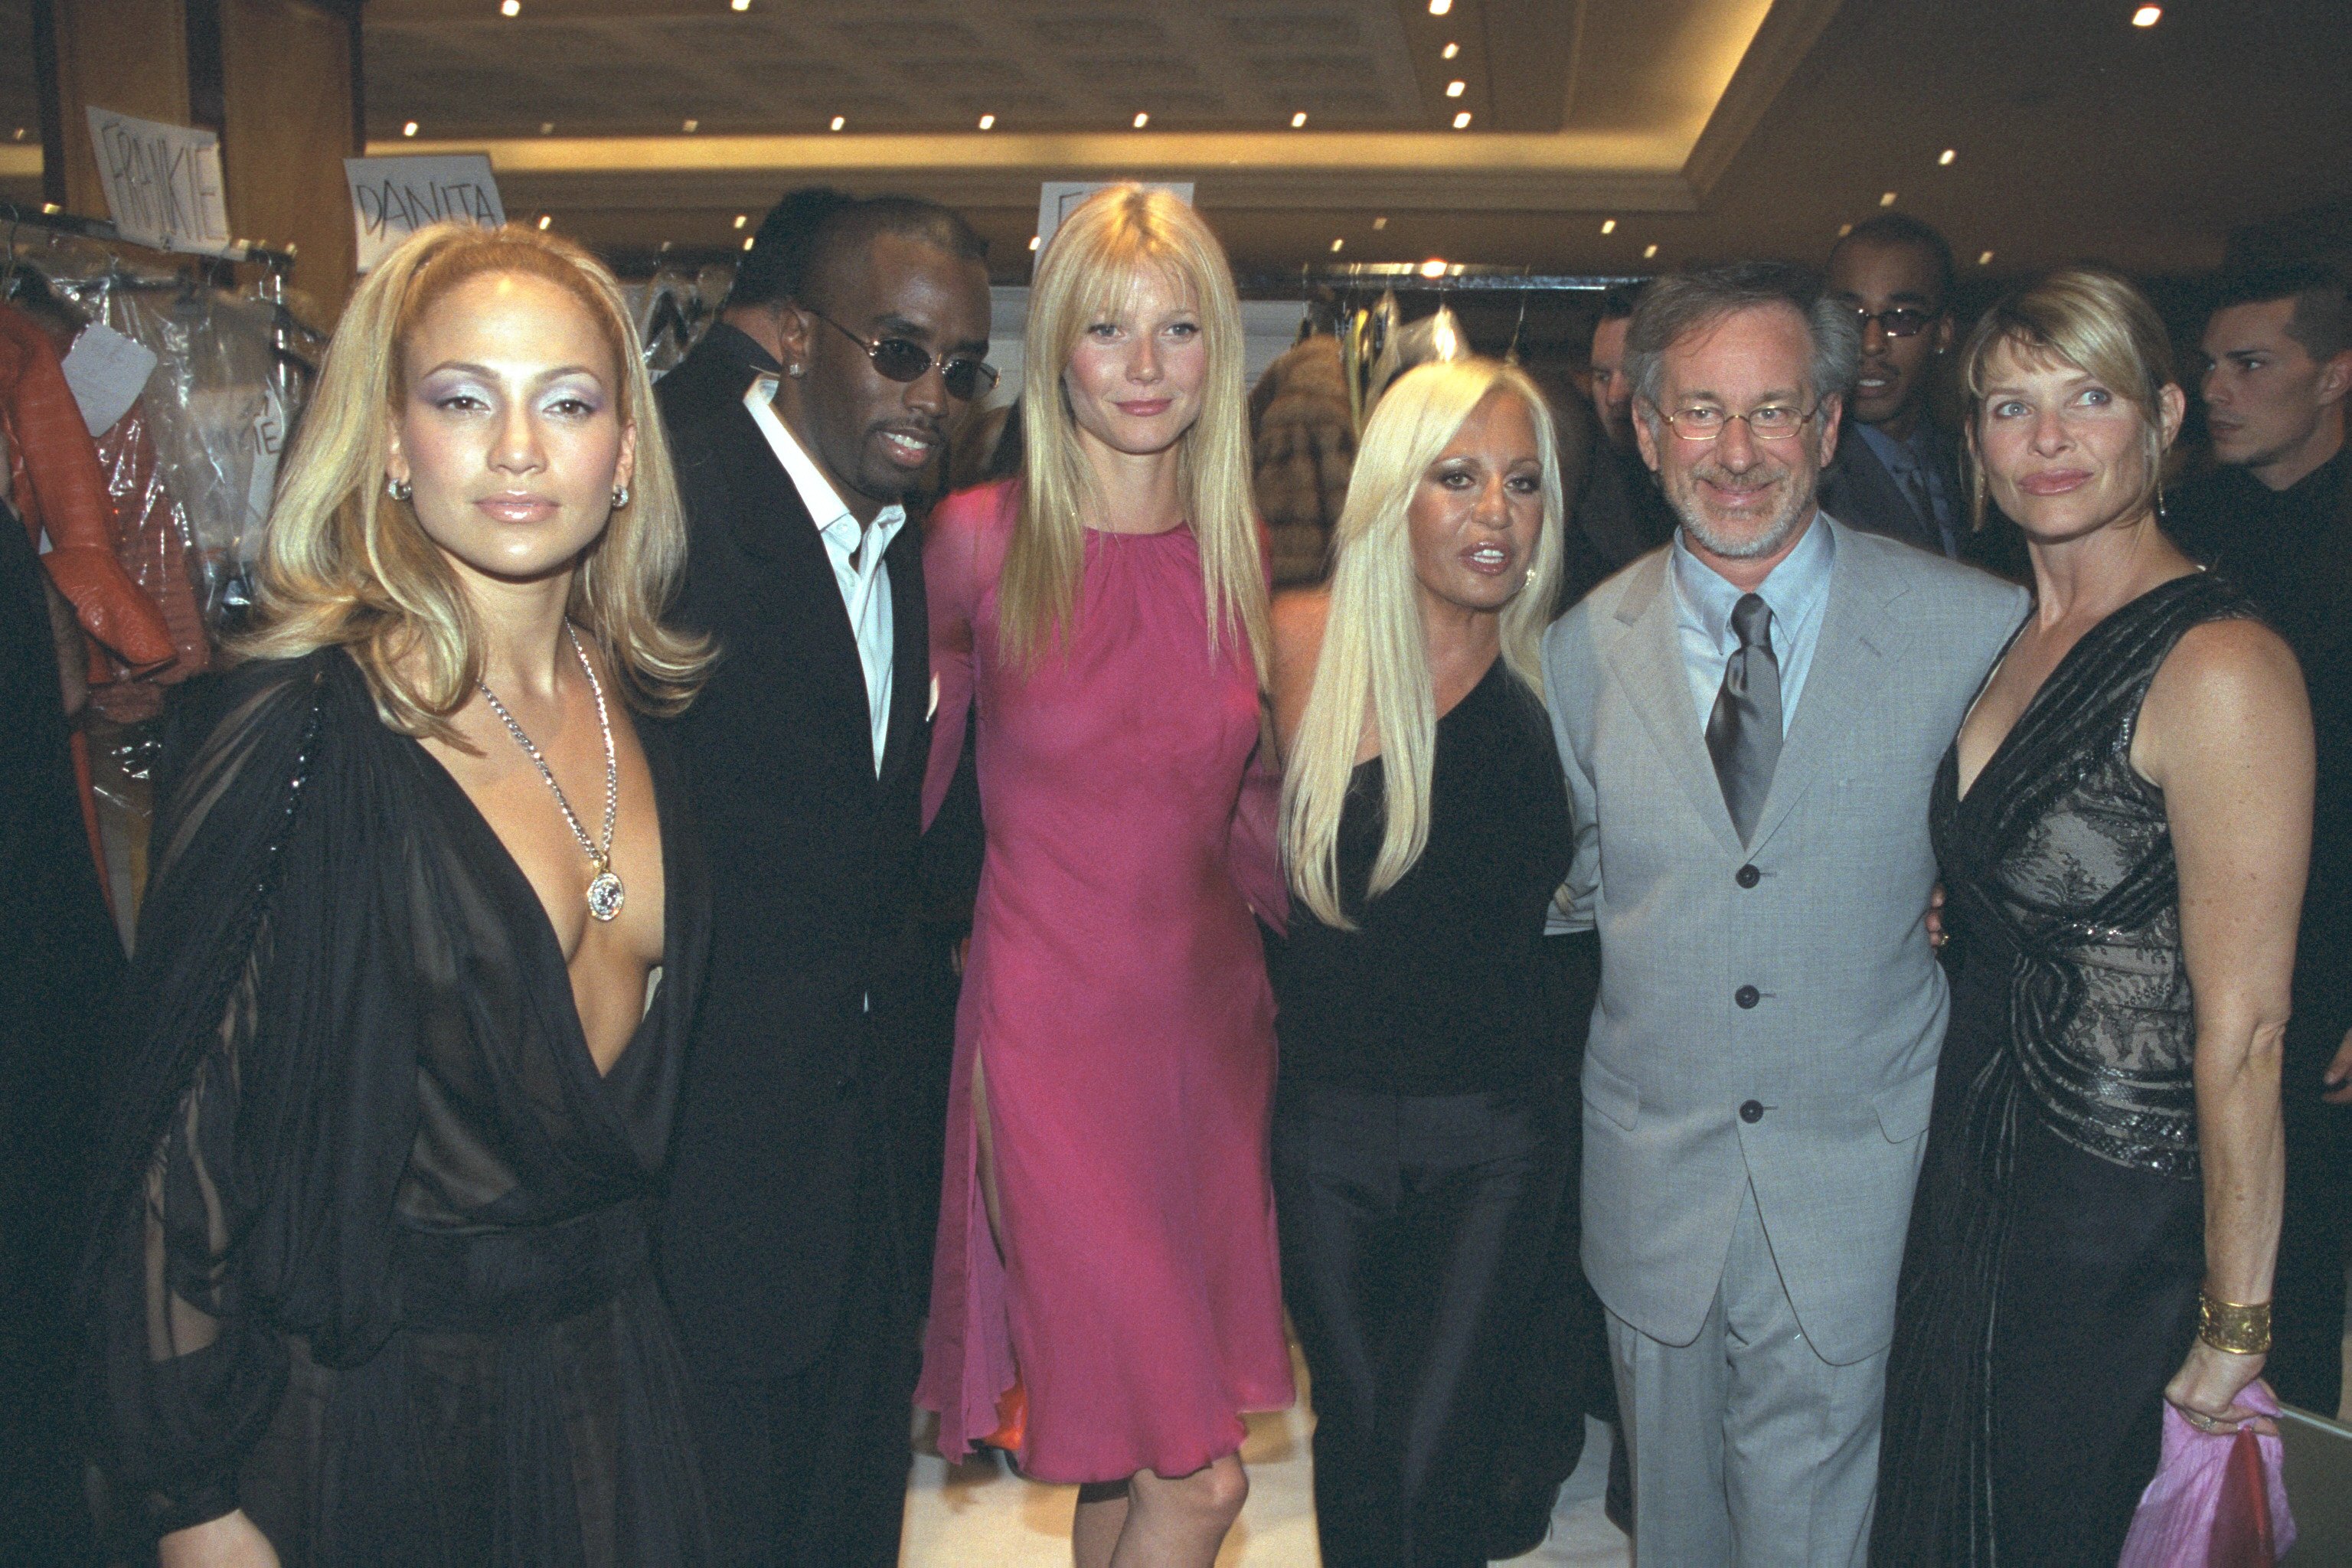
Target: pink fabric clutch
2219,1499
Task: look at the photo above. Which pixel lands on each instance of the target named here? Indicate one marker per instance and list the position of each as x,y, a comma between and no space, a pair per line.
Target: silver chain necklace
605,894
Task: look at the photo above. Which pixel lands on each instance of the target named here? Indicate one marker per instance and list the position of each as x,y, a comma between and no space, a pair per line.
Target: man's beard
1793,514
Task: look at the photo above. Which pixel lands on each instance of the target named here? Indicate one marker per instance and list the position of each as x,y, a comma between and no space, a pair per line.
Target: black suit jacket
780,1172
1857,490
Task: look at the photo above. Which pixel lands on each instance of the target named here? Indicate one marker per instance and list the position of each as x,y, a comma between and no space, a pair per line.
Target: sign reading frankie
162,182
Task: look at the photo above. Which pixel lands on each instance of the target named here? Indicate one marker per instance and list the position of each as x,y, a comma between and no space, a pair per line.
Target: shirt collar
1899,457
824,504
1790,592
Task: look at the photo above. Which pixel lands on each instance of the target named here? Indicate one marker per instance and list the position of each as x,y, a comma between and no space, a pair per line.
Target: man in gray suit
1750,719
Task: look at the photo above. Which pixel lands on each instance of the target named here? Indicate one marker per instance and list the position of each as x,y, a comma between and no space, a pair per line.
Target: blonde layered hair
2095,321
1087,272
343,565
1373,675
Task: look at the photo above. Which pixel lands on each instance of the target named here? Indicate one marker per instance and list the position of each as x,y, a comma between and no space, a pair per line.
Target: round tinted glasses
895,359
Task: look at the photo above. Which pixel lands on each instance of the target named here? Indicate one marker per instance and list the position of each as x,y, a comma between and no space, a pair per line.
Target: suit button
1751,1113
1748,997
1747,876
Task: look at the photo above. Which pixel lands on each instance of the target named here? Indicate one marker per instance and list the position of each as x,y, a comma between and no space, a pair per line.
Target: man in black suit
1897,473
780,1250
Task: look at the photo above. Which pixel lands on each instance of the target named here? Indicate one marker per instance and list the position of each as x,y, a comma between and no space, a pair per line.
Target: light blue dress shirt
1796,593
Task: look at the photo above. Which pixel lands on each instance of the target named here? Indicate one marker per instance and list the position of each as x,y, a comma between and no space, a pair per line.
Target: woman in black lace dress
2123,823
369,1283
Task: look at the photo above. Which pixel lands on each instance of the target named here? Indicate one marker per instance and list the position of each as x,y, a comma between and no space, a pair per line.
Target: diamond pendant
606,896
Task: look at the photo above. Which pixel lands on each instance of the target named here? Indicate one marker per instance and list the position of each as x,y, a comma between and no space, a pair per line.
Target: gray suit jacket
1817,1089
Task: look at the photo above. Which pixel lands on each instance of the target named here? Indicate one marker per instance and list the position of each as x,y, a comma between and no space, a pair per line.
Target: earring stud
620,497
398,490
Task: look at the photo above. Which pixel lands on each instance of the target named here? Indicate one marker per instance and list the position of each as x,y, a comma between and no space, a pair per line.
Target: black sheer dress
2049,1285
373,1263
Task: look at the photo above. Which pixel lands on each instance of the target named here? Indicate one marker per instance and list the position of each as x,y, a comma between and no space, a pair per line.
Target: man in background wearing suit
1751,720
779,1246
1896,472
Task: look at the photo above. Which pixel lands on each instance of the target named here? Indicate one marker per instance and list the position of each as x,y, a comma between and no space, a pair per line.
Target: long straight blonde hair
1372,674
1085,273
343,564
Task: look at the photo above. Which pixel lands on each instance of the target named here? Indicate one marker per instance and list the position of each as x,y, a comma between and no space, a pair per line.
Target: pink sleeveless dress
1116,993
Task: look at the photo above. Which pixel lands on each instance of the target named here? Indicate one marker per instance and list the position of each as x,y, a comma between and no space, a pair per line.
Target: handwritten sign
162,182
392,198
1057,198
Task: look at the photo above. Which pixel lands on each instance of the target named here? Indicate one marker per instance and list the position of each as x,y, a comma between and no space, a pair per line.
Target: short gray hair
1681,304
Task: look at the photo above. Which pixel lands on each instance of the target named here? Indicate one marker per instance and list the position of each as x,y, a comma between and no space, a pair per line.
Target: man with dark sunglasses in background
1898,473
779,1244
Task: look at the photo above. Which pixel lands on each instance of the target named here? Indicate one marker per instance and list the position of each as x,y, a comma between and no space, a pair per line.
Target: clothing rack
51,216
1413,276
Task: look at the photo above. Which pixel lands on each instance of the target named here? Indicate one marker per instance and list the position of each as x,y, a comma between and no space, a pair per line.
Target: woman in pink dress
1107,1237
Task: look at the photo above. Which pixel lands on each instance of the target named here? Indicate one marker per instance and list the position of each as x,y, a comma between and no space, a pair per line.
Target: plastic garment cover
672,308
2219,1501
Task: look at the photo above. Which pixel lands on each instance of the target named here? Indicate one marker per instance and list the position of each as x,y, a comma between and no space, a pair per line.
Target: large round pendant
606,896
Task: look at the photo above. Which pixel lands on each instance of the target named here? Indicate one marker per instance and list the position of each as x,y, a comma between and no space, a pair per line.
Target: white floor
980,1515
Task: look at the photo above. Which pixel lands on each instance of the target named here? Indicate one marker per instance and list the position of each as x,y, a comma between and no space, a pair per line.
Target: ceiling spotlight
740,5
1380,223
1462,120
510,7
409,129
547,128
1887,200
2146,16
1298,120
838,121
1433,267
1609,226
1985,259
742,218
1944,159
1337,245
1033,242
1649,251
546,220
1141,121
1453,89
1845,229
1449,51
20,133
691,126
1439,7
988,122
747,243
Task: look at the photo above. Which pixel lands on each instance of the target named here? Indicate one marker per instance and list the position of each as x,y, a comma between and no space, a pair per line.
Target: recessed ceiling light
1449,51
1887,200
1337,245
1944,159
838,121
747,243
510,7
1033,242
1984,260
546,220
1845,229
1609,226
1453,89
547,128
741,5
691,126
409,129
1462,120
2147,15
1433,267
1648,251
742,218
1141,121
1298,120
664,247
1439,7
988,122
1380,223
20,133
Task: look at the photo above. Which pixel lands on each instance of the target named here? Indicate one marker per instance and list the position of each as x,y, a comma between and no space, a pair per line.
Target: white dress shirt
865,586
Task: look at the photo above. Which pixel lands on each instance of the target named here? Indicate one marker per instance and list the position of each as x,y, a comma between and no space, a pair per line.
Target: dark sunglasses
895,359
1903,322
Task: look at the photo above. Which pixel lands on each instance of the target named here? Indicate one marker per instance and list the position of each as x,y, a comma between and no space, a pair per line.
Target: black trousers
2307,1364
1414,1231
808,1470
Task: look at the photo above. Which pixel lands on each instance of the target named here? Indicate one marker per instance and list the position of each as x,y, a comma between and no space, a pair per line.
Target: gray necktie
1743,732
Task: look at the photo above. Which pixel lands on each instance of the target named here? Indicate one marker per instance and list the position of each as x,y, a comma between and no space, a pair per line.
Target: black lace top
2059,861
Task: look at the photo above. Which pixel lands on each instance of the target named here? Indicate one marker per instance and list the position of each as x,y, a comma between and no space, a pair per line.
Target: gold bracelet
2240,1329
